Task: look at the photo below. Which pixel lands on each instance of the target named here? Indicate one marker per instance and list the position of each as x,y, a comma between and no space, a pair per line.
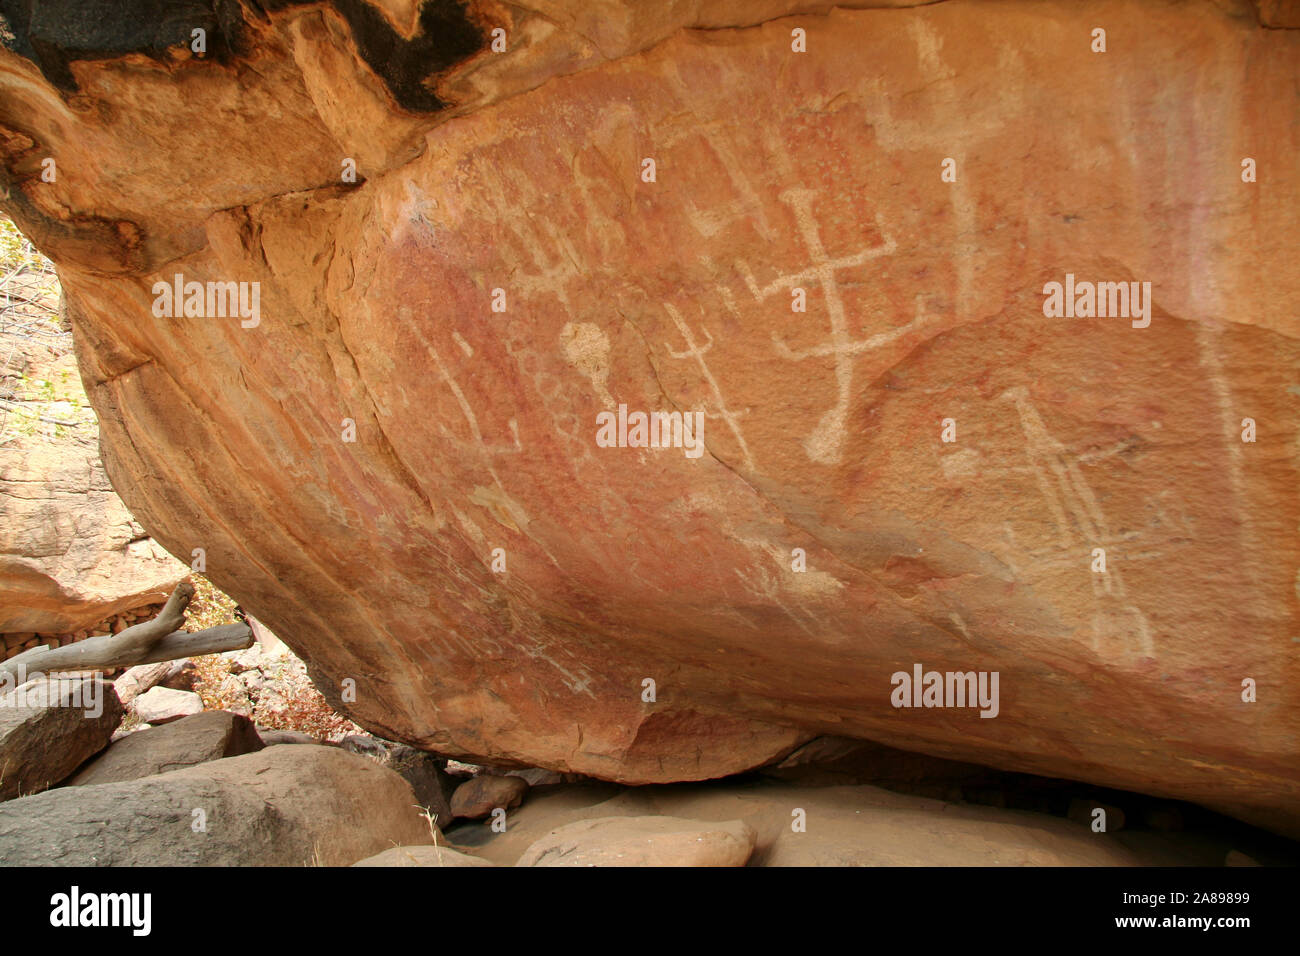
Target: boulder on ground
423,771
433,788
49,727
139,679
212,735
643,841
160,705
282,806
477,797
423,856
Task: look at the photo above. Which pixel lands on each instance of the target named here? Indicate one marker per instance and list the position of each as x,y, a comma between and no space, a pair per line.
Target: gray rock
193,740
433,788
282,806
160,705
136,680
50,728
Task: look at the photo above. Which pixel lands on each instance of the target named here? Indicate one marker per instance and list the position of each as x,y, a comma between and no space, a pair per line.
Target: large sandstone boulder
391,454
283,806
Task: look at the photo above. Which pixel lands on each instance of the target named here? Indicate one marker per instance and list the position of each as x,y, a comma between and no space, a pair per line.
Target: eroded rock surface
476,430
71,555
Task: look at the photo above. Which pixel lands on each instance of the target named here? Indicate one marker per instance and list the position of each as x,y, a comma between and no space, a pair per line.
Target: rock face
50,727
391,454
284,806
185,743
71,555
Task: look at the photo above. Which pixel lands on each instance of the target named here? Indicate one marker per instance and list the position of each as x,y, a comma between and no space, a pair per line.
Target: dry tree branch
149,642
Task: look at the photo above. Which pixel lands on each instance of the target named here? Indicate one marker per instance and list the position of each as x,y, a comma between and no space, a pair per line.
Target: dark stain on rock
110,246
54,33
445,38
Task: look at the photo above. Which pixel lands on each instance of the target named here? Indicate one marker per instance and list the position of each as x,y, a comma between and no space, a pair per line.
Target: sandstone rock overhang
53,33
476,430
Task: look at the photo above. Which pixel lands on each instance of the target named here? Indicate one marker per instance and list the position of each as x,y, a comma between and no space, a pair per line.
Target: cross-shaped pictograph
824,445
